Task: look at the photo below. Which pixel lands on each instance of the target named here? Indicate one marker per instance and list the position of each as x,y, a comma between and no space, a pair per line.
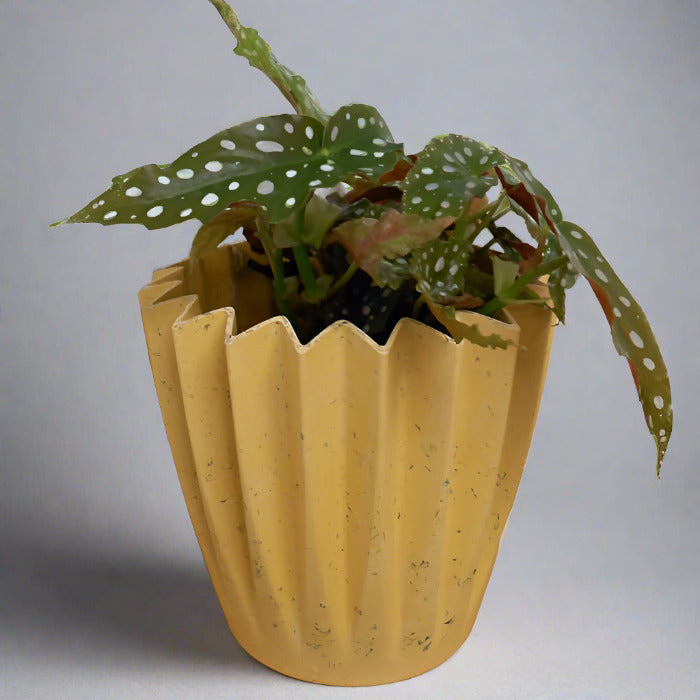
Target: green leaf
393,273
222,226
319,217
560,279
252,47
516,171
393,235
449,172
439,269
504,274
274,161
631,333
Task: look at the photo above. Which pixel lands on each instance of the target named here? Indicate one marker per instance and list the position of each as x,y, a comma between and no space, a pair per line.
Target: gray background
102,588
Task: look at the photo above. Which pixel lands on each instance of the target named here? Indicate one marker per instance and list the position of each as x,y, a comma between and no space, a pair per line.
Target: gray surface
102,589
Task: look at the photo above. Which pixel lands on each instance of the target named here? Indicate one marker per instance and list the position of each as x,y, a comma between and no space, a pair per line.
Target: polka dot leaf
274,161
516,171
450,171
632,335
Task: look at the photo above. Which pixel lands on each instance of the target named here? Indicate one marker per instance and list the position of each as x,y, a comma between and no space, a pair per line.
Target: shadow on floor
153,608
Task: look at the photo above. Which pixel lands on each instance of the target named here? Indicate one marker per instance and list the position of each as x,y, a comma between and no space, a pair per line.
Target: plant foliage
353,228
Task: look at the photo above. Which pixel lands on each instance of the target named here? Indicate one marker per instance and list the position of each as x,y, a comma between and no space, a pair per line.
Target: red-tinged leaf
631,332
534,205
391,236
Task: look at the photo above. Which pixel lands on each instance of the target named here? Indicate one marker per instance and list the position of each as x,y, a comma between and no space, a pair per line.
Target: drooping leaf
631,333
460,328
560,279
274,160
392,235
516,171
222,226
252,47
450,171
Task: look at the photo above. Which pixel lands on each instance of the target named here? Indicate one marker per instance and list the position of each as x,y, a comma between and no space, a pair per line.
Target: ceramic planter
349,499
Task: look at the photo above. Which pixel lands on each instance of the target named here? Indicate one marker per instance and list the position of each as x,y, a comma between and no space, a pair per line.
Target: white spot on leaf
269,146
266,187
164,179
185,212
439,264
361,122
636,339
133,192
649,363
290,202
227,144
213,166
659,402
210,199
234,185
185,173
154,211
110,215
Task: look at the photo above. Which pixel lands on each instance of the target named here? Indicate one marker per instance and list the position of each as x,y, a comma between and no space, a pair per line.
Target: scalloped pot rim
511,326
171,277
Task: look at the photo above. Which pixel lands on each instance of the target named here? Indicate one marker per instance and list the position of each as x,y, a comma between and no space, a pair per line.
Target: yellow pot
348,498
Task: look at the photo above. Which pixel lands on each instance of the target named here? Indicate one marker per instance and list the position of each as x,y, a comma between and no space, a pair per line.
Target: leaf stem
510,294
312,290
417,305
275,256
342,281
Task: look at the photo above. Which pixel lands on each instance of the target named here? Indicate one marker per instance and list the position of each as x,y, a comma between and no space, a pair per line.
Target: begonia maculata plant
348,226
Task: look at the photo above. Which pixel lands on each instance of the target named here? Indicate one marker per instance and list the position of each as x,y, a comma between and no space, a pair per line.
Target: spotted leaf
516,171
450,171
560,279
632,335
439,269
274,161
258,53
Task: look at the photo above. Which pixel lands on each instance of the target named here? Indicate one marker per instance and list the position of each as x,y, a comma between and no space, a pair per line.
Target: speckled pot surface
348,498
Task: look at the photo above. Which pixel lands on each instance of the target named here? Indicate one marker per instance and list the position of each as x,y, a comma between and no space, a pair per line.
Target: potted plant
350,393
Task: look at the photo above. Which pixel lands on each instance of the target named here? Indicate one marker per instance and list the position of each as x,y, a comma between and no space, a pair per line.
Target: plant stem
278,284
228,15
274,256
417,306
312,291
340,283
510,295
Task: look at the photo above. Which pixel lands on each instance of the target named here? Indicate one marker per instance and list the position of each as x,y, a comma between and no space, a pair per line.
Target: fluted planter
348,498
